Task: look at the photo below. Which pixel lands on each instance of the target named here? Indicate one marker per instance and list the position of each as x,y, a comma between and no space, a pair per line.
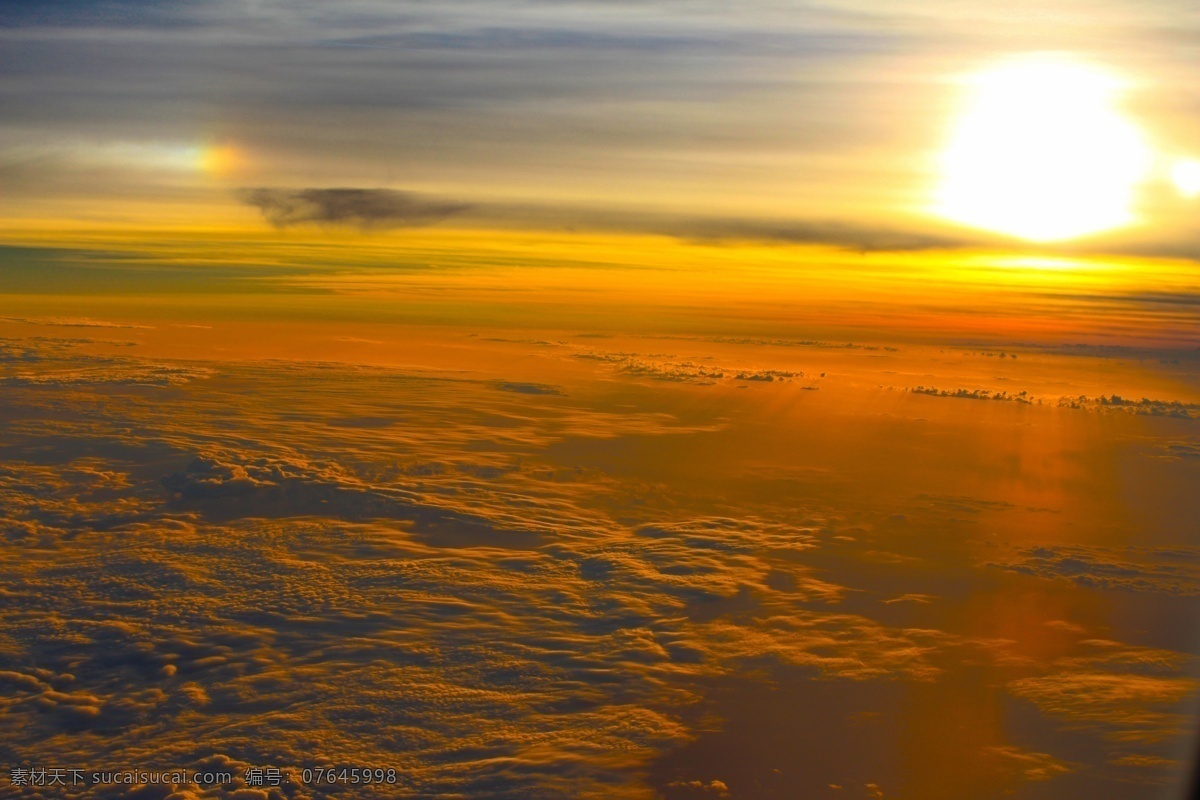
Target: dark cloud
359,208
715,228
853,236
389,208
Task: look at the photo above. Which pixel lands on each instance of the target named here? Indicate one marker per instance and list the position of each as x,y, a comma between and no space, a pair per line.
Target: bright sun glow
218,159
1186,175
1042,153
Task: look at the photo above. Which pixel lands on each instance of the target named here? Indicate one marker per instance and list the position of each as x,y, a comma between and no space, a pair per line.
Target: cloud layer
499,586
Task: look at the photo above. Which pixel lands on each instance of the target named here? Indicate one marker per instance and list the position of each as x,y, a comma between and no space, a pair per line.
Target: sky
671,400
1049,151
788,122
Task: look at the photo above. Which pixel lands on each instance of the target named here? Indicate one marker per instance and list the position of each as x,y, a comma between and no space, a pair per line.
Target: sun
1042,152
